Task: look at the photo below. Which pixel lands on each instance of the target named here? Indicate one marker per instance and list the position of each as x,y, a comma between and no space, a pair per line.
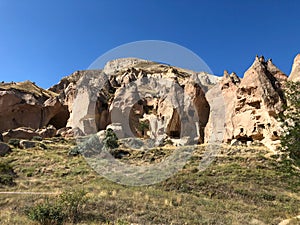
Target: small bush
74,151
72,203
7,174
14,142
111,140
46,213
67,207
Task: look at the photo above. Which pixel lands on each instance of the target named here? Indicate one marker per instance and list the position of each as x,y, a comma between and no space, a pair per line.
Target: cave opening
60,119
174,126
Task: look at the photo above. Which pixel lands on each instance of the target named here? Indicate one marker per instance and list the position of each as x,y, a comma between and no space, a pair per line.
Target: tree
143,127
290,140
111,140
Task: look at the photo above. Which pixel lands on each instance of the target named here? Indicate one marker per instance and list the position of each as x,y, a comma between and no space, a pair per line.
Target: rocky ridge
146,99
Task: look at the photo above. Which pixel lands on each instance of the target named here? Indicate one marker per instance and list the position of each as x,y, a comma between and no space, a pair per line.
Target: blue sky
43,41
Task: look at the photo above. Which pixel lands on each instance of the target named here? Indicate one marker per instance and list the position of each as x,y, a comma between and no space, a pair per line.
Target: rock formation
259,99
26,105
221,99
295,73
19,133
246,109
4,149
146,99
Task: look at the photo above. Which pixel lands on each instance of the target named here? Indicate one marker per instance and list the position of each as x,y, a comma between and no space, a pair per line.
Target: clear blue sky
44,40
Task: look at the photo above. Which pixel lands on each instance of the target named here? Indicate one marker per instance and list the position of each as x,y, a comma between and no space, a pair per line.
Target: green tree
111,140
290,140
143,127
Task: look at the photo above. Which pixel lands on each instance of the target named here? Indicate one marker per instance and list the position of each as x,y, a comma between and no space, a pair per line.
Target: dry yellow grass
241,186
27,87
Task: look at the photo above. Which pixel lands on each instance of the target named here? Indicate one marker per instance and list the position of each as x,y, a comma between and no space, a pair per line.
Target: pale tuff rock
115,66
222,99
89,110
20,133
259,99
140,98
25,104
277,73
295,73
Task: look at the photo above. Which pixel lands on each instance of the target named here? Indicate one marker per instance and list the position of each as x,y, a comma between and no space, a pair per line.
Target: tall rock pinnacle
295,74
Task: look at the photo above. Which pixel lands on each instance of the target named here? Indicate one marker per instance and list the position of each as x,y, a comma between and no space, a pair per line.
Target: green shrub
290,140
143,127
75,151
7,174
111,140
14,142
46,213
72,202
67,207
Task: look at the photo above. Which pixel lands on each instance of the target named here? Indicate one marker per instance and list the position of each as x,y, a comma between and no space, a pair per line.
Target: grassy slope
242,186
27,87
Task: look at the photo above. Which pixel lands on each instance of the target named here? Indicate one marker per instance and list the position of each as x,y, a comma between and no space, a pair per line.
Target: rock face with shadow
245,110
24,104
144,99
222,98
259,99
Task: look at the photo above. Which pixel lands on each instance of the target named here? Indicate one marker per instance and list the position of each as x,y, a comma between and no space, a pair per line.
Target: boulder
235,142
63,131
20,133
68,132
4,149
24,144
48,132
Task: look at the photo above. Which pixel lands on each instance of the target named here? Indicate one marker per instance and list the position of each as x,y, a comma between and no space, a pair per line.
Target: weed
46,213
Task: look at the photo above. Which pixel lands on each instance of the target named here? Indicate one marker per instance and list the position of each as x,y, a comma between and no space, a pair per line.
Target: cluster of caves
140,125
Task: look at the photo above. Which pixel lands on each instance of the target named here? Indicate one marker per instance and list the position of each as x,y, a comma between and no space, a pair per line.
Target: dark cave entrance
60,119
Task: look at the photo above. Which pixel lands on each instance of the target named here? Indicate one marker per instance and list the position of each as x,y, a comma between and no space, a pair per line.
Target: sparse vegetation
242,185
73,202
7,174
27,87
67,207
290,139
